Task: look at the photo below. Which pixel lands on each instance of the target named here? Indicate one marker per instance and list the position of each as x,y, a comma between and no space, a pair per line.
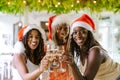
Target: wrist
40,70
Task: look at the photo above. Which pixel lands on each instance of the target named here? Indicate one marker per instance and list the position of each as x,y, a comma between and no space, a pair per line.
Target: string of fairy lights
59,6
58,3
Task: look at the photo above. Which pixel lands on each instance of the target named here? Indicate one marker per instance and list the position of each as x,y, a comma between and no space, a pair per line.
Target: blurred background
16,13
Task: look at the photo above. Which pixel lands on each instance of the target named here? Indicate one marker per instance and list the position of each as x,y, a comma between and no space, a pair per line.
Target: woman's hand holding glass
53,57
44,64
61,52
68,59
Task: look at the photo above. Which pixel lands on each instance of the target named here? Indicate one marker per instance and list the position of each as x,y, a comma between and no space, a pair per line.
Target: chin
79,44
33,48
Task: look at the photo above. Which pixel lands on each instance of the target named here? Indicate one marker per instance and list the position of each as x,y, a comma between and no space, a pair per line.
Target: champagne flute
51,52
61,52
48,54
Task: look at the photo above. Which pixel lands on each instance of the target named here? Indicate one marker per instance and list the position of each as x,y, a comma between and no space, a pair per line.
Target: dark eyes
80,32
36,37
75,32
84,31
60,28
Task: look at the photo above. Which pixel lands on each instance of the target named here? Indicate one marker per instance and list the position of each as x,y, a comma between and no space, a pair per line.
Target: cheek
57,31
38,41
28,43
85,36
74,38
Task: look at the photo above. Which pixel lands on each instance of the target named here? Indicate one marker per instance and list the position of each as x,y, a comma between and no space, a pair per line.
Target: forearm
76,73
32,75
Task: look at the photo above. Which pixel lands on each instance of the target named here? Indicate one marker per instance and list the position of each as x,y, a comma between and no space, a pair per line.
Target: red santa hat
19,47
84,21
49,26
57,20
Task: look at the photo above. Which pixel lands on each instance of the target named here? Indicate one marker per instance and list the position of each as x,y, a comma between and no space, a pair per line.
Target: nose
79,34
34,39
62,30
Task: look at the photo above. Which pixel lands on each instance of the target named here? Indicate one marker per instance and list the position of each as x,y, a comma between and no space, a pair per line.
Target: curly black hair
38,52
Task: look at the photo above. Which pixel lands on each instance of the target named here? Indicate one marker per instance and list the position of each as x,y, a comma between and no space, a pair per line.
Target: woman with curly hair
29,60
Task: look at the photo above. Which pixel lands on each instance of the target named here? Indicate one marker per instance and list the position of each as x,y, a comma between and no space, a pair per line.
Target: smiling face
80,35
33,39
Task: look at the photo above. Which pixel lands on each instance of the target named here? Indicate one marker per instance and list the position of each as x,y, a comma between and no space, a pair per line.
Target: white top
31,67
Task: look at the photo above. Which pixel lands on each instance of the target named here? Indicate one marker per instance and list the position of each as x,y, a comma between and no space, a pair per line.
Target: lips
33,43
61,37
79,41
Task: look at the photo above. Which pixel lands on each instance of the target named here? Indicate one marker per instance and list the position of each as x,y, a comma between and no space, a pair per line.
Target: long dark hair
38,52
90,42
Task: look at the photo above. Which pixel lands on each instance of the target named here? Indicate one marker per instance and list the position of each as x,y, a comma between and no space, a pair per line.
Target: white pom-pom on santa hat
84,21
19,46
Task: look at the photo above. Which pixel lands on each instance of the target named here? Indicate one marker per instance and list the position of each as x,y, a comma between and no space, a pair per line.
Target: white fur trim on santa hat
61,19
33,26
80,24
29,27
19,48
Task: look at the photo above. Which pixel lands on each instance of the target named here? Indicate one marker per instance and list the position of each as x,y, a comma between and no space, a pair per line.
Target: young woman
59,29
29,61
95,64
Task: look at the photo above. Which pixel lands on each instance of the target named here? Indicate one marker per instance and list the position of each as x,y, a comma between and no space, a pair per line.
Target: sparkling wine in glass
51,52
61,51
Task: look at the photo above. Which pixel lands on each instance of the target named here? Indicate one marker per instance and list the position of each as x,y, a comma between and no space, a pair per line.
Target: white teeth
79,40
33,43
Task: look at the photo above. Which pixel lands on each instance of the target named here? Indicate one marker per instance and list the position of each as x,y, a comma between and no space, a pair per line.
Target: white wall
6,31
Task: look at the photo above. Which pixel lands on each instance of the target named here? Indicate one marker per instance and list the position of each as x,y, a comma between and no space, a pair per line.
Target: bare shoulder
95,50
18,58
95,54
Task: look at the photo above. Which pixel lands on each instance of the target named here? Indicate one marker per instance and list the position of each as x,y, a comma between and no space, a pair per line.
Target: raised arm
19,62
73,67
